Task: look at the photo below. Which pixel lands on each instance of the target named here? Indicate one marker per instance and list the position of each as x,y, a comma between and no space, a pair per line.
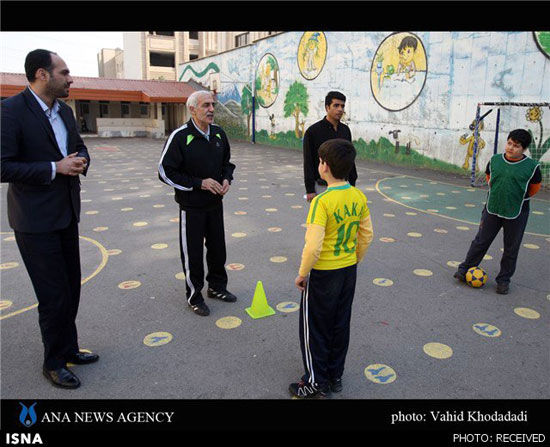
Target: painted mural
542,38
405,118
469,140
398,72
267,80
312,53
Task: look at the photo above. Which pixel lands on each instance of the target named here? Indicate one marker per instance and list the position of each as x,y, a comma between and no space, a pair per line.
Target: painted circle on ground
453,263
525,312
175,219
274,229
90,213
450,207
487,257
4,304
114,252
126,209
238,235
159,246
296,206
288,306
431,210
145,195
440,193
9,238
243,198
8,265
413,234
422,272
405,197
99,229
389,215
266,197
240,213
157,339
381,374
462,228
411,213
228,322
140,224
387,239
383,282
440,230
289,194
424,196
531,246
126,285
438,350
271,210
116,198
180,276
159,205
278,259
469,205
487,330
234,266
540,213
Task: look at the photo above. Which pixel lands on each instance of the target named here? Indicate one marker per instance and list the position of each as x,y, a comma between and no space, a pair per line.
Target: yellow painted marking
234,266
243,198
159,205
145,195
159,246
380,374
487,330
9,238
525,312
126,209
453,263
278,259
266,197
389,215
462,228
469,205
540,213
422,272
8,265
440,193
487,257
4,304
102,264
99,229
296,206
440,230
228,322
288,306
411,213
271,210
114,252
382,282
438,350
531,246
406,197
431,210
92,212
180,276
175,219
413,234
140,224
450,207
243,189
116,198
387,239
240,213
238,235
289,194
126,285
274,229
157,339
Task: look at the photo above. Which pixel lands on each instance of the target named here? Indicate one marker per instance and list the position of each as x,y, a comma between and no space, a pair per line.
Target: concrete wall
130,127
432,105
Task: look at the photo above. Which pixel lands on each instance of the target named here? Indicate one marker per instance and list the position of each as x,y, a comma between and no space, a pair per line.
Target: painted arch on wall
398,71
312,54
267,80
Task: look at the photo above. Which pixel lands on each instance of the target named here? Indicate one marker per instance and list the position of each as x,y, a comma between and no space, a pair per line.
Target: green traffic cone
259,307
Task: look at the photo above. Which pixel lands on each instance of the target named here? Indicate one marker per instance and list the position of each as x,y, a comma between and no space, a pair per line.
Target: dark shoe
83,358
460,276
502,289
200,309
223,295
303,390
62,377
336,385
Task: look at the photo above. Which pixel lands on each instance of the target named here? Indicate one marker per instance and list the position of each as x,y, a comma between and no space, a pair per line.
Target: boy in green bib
513,179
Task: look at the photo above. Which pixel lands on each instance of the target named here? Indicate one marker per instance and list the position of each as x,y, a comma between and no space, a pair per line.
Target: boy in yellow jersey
339,231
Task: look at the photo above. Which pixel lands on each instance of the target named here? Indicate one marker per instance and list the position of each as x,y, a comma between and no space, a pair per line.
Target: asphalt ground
416,332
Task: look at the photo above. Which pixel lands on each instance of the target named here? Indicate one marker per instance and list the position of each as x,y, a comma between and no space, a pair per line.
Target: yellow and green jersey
342,212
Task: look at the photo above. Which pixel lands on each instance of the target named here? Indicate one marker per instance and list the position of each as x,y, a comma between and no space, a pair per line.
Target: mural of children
464,139
406,48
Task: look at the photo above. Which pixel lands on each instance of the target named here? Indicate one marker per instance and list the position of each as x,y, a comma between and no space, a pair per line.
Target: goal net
493,123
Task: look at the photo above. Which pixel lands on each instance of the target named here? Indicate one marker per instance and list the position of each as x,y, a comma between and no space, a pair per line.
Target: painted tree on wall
296,102
246,106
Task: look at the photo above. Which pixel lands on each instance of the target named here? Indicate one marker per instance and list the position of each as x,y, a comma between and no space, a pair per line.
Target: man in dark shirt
328,128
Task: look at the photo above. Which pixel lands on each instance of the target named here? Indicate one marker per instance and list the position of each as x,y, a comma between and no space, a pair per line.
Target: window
194,35
165,33
162,59
125,108
241,39
103,109
84,108
193,56
144,109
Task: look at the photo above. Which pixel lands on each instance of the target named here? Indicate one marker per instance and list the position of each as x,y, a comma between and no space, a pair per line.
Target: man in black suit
42,158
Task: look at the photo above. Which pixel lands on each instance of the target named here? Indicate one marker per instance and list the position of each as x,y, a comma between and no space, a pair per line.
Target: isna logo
27,416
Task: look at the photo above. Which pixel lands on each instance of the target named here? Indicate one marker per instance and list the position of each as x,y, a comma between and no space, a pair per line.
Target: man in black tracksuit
328,128
195,161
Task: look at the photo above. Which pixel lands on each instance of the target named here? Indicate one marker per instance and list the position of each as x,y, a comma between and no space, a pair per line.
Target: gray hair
193,99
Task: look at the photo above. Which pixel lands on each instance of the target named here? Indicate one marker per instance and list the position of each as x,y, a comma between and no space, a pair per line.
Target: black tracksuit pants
199,228
53,262
325,315
490,225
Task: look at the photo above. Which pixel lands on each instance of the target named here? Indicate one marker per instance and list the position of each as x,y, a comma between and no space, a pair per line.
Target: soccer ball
476,277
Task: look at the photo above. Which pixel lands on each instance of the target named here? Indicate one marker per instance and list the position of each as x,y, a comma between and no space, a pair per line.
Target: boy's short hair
334,95
520,136
339,155
408,41
38,59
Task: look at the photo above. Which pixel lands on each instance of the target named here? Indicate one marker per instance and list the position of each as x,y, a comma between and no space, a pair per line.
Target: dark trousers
489,227
53,262
325,314
199,228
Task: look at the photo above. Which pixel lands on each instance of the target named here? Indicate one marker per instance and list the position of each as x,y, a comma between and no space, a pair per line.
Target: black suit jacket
36,204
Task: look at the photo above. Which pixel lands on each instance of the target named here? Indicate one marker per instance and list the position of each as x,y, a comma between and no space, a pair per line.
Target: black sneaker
460,276
223,295
200,309
336,385
502,289
303,390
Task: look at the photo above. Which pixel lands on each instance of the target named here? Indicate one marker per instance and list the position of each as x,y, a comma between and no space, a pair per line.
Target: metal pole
495,150
253,119
474,152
